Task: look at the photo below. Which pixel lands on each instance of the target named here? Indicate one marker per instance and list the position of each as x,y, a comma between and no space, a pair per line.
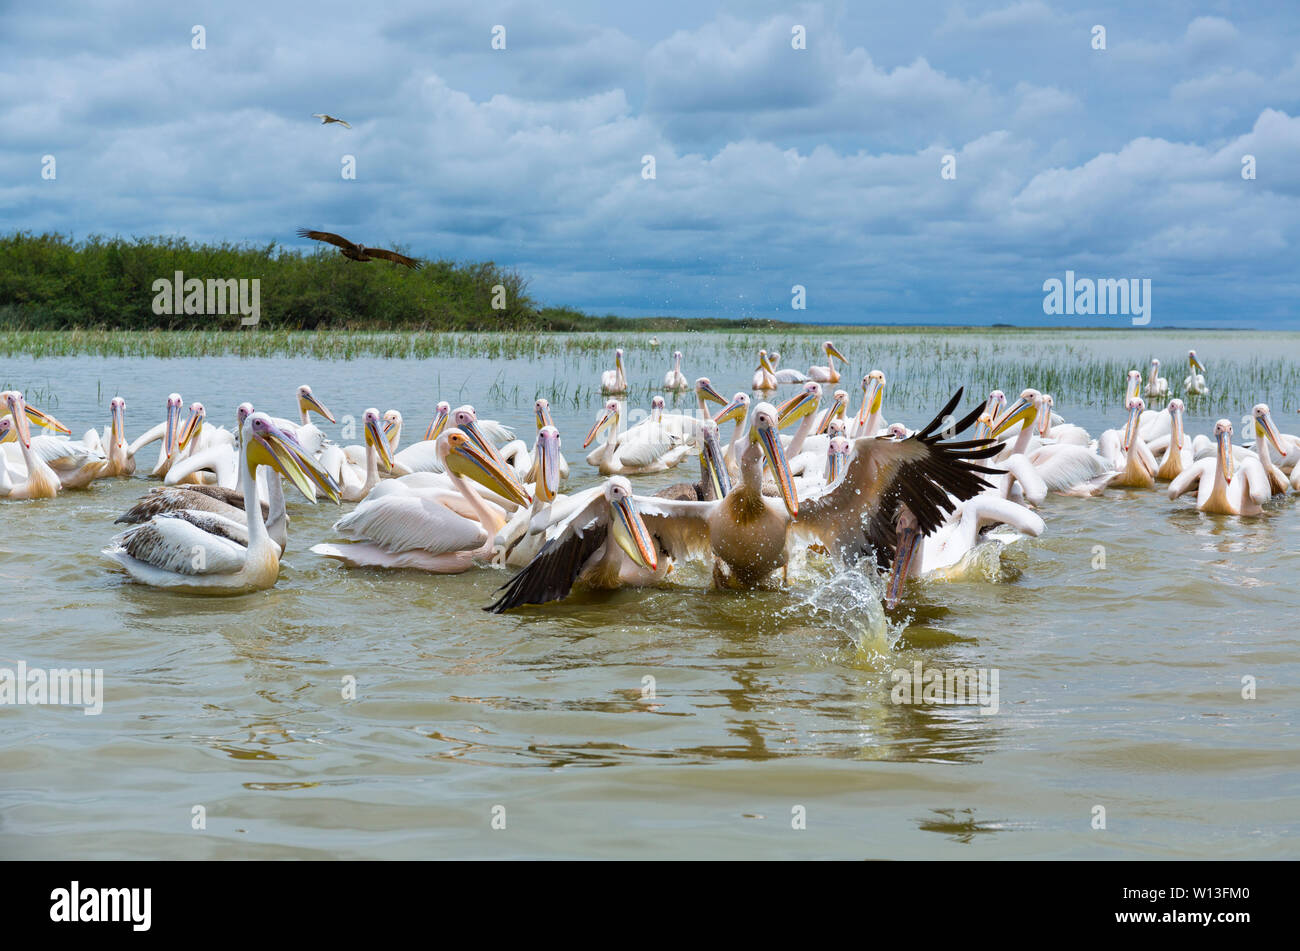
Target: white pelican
1194,382
1014,457
39,418
516,542
714,482
1064,468
220,457
357,480
736,411
1178,455
614,382
1225,486
422,456
1265,434
1053,428
675,379
993,407
942,553
654,449
121,464
1126,450
764,376
837,410
517,455
39,481
1157,386
787,375
174,553
828,373
869,420
443,531
310,436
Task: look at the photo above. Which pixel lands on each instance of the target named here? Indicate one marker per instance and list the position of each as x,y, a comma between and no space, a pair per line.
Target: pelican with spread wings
359,252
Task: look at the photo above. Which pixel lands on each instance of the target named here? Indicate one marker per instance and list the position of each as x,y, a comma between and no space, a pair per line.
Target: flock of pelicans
845,484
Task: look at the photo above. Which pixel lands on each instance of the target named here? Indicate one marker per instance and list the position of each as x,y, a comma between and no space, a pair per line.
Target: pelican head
1044,418
307,402
773,359
18,412
466,420
1223,436
896,432
608,417
1265,429
439,423
839,404
712,470
618,357
657,409
677,359
1022,410
193,426
393,426
909,535
1176,423
547,454
705,391
117,430
627,526
833,351
1155,369
464,456
1133,388
837,458
800,405
372,424
269,445
173,419
764,362
1194,362
1135,409
735,411
988,419
44,420
7,430
767,435
873,395
542,409
837,427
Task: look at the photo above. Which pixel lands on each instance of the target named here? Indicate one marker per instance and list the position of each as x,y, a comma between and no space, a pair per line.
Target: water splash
848,601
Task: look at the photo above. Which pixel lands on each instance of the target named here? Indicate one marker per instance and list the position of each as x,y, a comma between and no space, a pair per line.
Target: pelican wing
495,432
400,522
555,568
172,498
394,257
647,449
177,545
858,514
327,236
790,376
421,456
681,527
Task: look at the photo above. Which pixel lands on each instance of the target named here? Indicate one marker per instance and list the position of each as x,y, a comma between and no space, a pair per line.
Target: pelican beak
706,390
1225,455
1131,427
192,427
1044,419
438,425
471,430
733,411
836,463
173,417
544,417
606,418
835,352
1176,428
837,409
1195,363
1265,429
117,429
23,428
983,426
715,473
908,537
275,448
308,401
468,459
375,437
1133,389
45,420
1022,411
631,534
548,469
873,397
770,439
795,408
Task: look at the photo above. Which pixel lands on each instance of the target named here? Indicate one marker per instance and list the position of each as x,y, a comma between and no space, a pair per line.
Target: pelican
517,542
736,411
358,480
391,423
1225,486
1014,457
614,382
653,451
1157,386
993,406
121,464
869,420
39,481
443,531
943,552
787,375
168,431
675,379
1194,382
1177,455
764,376
1063,468
42,419
837,410
523,462
1266,434
220,457
1126,450
828,373
714,482
174,553
310,436
423,455
1058,430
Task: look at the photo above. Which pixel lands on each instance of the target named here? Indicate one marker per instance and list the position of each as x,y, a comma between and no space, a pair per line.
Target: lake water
1119,686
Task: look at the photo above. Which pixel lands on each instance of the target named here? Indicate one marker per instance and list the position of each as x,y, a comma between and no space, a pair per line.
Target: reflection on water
711,714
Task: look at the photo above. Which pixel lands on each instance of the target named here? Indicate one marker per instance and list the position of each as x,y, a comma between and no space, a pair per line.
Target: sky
912,163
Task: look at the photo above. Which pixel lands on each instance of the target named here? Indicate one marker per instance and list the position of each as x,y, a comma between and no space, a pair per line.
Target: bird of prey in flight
359,252
327,119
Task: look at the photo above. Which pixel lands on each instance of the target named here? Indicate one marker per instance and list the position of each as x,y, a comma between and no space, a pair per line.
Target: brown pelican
178,554
828,373
359,252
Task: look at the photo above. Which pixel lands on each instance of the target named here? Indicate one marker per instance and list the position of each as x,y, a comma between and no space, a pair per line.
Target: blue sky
773,166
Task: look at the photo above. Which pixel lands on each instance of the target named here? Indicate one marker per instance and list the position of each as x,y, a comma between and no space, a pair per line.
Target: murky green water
1119,687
